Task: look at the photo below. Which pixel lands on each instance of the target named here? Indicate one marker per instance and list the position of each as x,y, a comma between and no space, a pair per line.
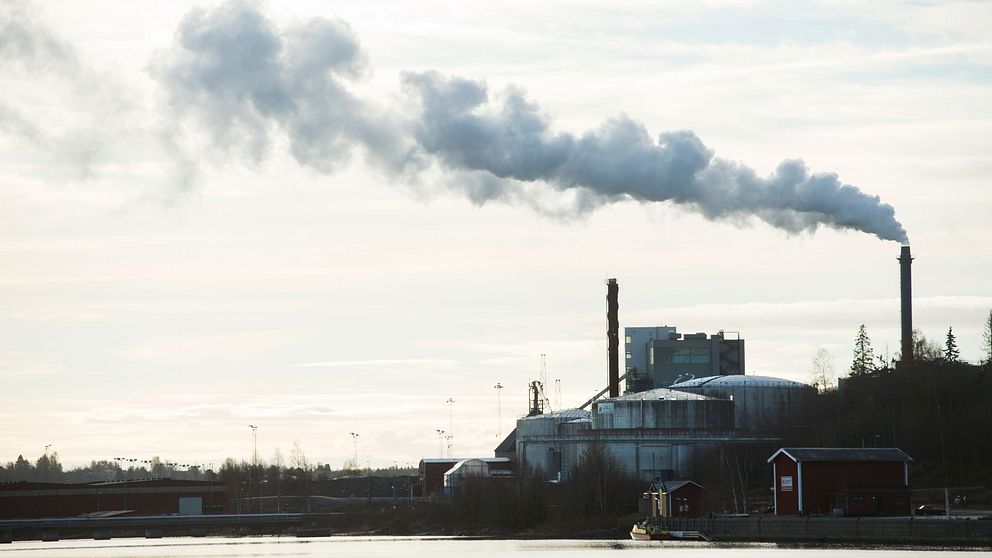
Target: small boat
647,531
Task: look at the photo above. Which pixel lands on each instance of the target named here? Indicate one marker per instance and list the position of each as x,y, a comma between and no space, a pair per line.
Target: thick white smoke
235,74
511,138
244,83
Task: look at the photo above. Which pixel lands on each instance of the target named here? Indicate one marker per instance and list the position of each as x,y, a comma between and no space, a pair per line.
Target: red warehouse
841,481
20,500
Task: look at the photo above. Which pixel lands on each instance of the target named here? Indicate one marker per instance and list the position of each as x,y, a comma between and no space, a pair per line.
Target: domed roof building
762,404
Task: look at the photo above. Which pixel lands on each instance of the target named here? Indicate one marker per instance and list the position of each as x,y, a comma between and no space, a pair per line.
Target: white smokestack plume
511,138
237,74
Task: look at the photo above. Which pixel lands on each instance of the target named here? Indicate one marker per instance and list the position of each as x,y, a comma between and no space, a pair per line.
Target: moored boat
648,531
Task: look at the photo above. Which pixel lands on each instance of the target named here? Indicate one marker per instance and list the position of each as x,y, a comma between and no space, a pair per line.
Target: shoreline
909,533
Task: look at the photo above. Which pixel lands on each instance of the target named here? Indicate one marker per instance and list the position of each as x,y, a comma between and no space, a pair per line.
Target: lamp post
392,483
499,412
46,461
254,462
354,441
440,441
254,444
451,424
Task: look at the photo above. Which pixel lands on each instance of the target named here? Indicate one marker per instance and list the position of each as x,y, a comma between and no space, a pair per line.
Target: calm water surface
414,547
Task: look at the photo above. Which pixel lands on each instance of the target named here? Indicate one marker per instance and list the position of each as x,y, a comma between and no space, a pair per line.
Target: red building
136,497
678,498
841,481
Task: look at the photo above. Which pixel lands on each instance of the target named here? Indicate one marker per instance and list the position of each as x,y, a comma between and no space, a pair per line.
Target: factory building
657,435
437,473
636,343
135,497
686,397
761,404
656,432
660,356
663,409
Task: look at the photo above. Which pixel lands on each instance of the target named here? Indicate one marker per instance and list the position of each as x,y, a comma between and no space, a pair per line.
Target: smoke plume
511,138
233,72
243,85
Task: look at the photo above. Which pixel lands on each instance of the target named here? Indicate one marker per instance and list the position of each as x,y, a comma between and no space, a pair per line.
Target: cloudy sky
324,218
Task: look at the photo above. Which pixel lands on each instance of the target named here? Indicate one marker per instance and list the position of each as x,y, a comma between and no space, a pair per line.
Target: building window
629,356
685,355
627,339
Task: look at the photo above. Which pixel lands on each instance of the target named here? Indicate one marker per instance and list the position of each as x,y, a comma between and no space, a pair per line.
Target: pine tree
864,356
987,340
951,352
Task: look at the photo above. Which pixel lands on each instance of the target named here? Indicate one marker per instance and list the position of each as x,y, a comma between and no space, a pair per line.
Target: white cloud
204,350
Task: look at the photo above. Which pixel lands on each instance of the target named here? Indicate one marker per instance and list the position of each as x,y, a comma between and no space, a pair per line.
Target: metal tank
663,409
762,404
547,443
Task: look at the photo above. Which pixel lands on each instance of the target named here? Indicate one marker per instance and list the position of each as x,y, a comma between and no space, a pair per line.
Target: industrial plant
685,395
682,399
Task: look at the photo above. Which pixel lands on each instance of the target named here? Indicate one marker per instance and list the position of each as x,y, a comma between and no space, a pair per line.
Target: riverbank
923,532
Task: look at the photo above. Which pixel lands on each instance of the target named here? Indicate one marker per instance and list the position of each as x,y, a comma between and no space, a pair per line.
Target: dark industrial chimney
906,284
613,335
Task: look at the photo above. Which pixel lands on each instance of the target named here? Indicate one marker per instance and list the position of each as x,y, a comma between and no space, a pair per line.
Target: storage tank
540,443
762,404
665,409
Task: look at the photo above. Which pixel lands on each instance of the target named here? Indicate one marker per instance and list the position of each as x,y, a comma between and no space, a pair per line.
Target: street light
368,471
440,441
254,459
254,444
499,412
451,426
46,461
354,441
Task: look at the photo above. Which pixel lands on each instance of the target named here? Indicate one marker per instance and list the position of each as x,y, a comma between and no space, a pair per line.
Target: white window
786,484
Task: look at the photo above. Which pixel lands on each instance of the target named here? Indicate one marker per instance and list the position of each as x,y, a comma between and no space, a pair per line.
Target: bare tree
925,349
987,340
597,480
297,458
822,370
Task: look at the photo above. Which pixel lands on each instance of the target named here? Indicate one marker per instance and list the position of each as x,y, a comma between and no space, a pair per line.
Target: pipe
906,290
613,336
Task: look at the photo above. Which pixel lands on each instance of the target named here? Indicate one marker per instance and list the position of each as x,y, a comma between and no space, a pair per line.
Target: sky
332,218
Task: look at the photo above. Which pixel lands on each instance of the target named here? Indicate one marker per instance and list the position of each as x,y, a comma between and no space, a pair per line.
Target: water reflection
415,547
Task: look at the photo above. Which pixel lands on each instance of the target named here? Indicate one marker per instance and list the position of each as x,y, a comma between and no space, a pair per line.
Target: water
415,547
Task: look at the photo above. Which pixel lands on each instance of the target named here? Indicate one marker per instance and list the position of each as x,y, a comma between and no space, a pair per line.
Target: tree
987,340
864,356
924,349
48,468
951,352
22,470
597,481
822,369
